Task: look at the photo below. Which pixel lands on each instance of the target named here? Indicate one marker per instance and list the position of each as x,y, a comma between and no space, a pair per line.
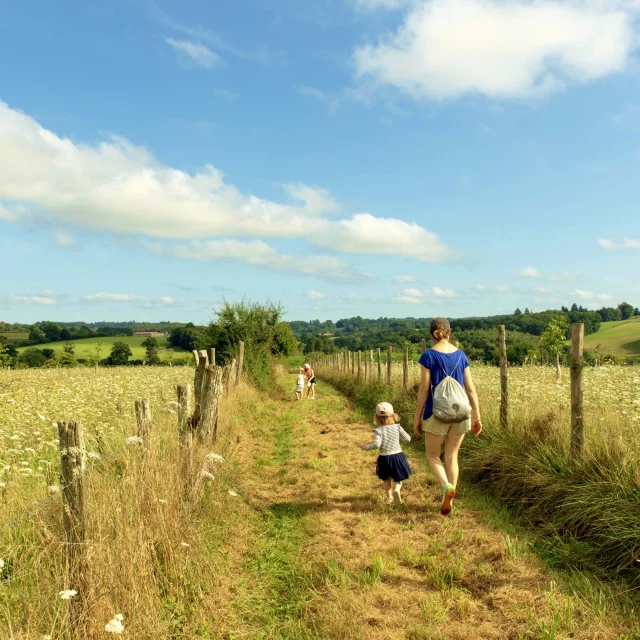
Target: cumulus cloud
529,272
199,53
415,296
113,297
501,288
626,244
62,238
315,295
119,187
260,254
41,300
403,279
589,295
448,48
543,290
364,233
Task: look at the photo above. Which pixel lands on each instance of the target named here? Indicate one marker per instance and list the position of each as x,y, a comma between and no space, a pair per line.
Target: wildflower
185,545
47,637
1,563
68,594
207,475
3,485
215,457
133,440
94,455
41,417
54,488
162,501
232,493
115,624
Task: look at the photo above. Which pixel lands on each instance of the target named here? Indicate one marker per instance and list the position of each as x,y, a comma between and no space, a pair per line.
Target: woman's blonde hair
381,421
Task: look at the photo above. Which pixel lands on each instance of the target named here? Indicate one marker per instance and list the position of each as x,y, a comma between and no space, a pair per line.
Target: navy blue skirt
394,466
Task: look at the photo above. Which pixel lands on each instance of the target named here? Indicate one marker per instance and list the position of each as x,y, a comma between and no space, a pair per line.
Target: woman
311,384
437,363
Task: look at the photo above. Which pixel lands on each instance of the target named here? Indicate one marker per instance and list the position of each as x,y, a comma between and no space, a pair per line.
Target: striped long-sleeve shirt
388,439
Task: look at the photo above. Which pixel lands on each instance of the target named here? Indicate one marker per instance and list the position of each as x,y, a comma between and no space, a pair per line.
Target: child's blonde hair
381,421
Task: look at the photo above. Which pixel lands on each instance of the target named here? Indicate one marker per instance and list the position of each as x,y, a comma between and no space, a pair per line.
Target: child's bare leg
397,486
387,490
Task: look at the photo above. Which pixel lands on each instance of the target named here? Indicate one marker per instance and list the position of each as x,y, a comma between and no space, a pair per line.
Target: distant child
300,384
392,466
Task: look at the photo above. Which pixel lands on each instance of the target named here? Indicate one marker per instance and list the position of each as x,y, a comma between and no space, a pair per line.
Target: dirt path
329,560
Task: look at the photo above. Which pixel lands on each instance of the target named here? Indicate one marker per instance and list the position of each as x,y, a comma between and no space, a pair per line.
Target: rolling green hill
622,339
87,346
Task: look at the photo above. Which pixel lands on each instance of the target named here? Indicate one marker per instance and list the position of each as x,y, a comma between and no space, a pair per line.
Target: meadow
86,347
622,339
14,336
288,540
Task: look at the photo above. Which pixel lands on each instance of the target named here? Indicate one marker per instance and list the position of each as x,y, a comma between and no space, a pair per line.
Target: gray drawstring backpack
450,401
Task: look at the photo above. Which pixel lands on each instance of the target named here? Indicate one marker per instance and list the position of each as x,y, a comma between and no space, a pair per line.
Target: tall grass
591,506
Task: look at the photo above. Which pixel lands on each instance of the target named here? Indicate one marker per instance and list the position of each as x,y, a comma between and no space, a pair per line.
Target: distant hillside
622,339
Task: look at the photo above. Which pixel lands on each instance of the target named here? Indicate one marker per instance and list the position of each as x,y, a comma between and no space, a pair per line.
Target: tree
33,357
36,336
51,331
636,312
69,347
66,359
526,311
5,358
65,334
517,312
553,339
48,353
120,354
151,346
626,310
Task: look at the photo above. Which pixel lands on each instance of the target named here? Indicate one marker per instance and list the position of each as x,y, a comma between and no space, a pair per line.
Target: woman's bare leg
313,391
451,448
434,449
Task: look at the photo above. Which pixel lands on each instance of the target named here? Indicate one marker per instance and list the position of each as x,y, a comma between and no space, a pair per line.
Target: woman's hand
417,428
476,428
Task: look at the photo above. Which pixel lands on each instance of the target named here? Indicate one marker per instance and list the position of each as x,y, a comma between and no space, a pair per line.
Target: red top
309,373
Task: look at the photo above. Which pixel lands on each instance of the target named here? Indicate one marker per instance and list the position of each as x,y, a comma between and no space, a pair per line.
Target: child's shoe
397,500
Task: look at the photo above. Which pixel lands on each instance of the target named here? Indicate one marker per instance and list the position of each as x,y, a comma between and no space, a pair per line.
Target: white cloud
166,300
199,53
627,243
42,300
529,272
316,199
62,238
113,297
588,295
260,254
447,48
415,296
543,290
502,288
119,187
403,279
480,287
364,233
315,295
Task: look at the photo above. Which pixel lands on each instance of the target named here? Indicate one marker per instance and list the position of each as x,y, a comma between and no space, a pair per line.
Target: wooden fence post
143,418
577,408
389,359
423,346
359,359
211,392
366,367
185,435
240,364
504,376
74,518
353,363
405,369
379,365
212,355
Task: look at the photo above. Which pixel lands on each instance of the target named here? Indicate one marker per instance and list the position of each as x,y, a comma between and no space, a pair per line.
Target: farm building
150,334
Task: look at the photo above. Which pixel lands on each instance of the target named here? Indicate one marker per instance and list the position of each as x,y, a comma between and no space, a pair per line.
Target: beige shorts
431,425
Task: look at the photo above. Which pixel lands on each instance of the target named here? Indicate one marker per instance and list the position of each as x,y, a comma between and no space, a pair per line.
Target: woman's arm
476,424
423,396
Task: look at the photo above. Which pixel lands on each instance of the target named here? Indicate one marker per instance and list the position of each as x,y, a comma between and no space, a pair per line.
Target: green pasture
87,347
14,336
620,338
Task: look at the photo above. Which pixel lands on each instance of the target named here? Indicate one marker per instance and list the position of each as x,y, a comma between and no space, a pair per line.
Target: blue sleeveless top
437,362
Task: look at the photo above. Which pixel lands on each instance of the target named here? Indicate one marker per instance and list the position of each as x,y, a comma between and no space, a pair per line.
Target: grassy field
289,541
622,339
87,346
14,336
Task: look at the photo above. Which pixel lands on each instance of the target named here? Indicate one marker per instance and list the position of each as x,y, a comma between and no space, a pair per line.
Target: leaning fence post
185,435
504,376
379,365
74,517
405,369
143,418
389,358
240,363
359,360
211,391
577,409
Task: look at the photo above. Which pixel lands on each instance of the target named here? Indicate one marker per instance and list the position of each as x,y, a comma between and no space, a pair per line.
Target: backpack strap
448,375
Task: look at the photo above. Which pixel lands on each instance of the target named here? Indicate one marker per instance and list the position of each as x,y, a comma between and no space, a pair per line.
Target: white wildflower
115,624
232,493
47,637
133,440
162,501
68,594
1,563
94,455
3,485
185,544
215,457
41,417
54,488
206,474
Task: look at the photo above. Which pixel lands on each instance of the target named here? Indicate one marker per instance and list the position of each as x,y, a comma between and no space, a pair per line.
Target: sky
340,157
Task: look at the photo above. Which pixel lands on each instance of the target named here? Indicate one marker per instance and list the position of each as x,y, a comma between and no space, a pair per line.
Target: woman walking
311,384
445,363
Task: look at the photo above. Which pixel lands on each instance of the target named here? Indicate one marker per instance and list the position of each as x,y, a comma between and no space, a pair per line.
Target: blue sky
343,157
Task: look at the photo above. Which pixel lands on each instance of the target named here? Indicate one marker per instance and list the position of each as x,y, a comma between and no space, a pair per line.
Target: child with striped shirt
392,466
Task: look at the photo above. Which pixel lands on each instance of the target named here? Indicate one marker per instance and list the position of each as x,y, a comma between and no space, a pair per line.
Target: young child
392,466
300,384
